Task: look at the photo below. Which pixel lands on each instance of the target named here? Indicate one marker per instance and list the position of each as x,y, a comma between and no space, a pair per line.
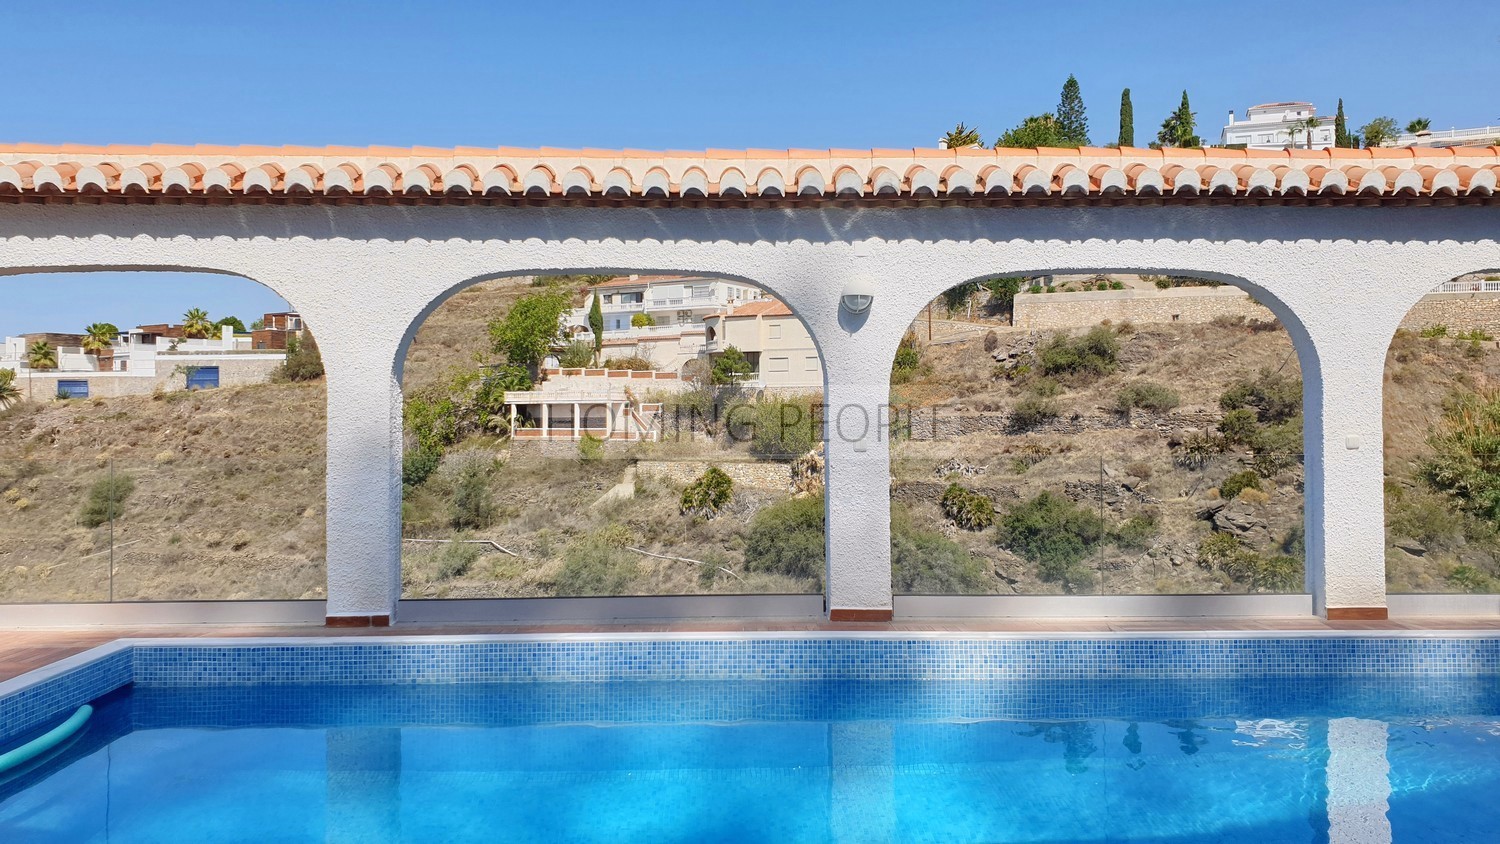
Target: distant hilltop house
1278,126
139,361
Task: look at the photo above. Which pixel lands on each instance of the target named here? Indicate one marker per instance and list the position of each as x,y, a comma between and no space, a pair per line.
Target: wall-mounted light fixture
858,295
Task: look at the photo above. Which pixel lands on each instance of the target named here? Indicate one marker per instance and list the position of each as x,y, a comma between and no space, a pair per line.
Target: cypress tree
596,325
1341,128
1072,122
1127,120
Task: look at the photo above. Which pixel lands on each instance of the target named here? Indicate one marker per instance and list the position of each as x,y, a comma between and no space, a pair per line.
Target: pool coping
98,652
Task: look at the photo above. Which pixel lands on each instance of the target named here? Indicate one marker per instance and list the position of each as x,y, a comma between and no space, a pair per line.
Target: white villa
1278,126
147,356
675,307
606,404
777,344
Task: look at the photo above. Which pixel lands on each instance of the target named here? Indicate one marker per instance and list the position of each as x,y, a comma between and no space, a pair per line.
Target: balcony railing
1476,286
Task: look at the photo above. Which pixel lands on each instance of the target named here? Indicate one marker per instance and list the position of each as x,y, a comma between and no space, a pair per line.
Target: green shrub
1279,574
635,363
1223,552
1239,482
730,367
707,495
788,538
1432,332
1273,397
908,360
1137,532
1424,516
1031,412
782,427
927,563
642,321
1197,449
969,510
1095,353
454,559
1474,335
418,464
1055,534
303,361
473,505
433,422
1147,395
1239,426
1466,463
590,448
594,566
576,355
106,500
1471,580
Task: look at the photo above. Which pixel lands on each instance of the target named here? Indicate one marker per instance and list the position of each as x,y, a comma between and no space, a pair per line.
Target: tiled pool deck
24,650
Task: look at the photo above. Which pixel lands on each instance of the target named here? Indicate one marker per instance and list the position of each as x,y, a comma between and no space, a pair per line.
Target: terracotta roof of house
425,175
759,307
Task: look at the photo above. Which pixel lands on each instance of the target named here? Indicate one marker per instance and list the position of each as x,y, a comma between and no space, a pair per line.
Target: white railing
678,301
1475,286
1406,139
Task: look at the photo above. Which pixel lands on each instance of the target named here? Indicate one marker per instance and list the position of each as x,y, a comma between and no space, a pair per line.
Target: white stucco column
364,496
1344,488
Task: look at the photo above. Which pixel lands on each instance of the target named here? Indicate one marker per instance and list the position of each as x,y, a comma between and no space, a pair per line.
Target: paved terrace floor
26,650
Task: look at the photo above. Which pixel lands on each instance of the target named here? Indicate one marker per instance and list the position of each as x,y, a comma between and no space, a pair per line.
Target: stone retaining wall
1059,311
755,474
1461,312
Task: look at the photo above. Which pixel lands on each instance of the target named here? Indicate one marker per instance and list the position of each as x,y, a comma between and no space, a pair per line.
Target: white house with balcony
675,307
781,353
1278,126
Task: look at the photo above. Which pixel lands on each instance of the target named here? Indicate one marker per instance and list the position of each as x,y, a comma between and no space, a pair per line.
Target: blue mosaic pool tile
812,659
35,705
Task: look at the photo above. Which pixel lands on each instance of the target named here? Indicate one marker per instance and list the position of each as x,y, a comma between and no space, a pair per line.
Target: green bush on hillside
576,355
473,505
1091,355
1466,462
1147,395
418,464
106,500
928,563
781,427
707,495
1057,535
1237,483
596,566
788,538
1032,411
1273,397
969,510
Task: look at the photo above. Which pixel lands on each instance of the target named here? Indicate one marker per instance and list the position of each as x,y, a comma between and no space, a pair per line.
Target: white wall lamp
858,296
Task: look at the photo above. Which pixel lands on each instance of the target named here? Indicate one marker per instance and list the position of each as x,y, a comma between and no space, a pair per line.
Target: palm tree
1307,126
961,136
9,392
98,337
195,323
41,355
1421,124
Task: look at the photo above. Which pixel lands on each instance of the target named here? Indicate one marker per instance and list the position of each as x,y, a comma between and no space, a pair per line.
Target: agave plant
962,136
9,392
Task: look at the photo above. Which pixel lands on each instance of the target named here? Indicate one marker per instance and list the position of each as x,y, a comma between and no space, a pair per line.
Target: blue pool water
1247,760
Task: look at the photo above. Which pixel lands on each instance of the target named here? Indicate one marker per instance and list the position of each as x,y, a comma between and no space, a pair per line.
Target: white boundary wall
1339,278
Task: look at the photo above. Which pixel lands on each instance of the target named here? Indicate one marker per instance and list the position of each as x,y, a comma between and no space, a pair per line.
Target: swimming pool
767,738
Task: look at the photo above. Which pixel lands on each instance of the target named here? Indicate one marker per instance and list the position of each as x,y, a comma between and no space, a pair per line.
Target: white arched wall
365,274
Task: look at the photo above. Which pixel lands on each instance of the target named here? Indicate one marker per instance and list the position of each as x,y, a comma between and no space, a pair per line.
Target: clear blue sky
689,75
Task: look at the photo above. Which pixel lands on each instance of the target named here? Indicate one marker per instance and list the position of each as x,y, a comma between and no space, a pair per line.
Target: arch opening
161,438
601,434
1106,433
1441,415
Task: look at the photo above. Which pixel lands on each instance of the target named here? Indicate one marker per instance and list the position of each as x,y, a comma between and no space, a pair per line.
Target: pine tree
1341,137
1127,120
1072,122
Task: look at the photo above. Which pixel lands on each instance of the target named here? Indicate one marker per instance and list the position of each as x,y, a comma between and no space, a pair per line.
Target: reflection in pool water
1270,761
